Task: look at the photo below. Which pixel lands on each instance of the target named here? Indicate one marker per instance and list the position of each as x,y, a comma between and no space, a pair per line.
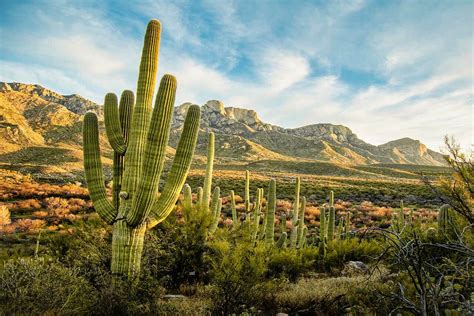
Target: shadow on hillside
51,156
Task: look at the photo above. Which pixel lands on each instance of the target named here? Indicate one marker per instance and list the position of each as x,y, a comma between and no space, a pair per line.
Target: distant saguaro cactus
139,136
270,215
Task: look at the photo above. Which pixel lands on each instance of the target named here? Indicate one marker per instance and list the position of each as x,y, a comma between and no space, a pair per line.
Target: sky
385,69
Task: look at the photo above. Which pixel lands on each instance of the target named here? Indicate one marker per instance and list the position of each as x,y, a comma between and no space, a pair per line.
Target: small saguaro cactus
401,217
295,214
446,220
332,217
139,138
208,177
301,226
322,232
235,220
216,206
256,213
247,192
270,215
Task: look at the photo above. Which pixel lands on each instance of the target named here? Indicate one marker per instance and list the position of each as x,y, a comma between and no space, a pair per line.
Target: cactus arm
93,169
281,241
141,112
270,218
155,150
164,205
113,127
125,114
331,198
208,177
247,191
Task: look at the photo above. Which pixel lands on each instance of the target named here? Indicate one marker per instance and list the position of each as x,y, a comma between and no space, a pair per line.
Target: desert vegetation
229,242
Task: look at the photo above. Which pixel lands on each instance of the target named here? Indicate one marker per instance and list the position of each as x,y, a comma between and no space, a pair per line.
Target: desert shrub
35,286
352,249
238,276
174,251
291,263
328,296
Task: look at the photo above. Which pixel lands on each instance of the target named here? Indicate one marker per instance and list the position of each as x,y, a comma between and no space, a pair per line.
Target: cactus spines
209,169
235,220
294,218
139,142
301,225
270,215
281,241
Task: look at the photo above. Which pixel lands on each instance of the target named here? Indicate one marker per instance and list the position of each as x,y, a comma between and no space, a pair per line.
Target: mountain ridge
31,115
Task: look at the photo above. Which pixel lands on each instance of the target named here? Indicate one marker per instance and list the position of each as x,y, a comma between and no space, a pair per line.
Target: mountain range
36,122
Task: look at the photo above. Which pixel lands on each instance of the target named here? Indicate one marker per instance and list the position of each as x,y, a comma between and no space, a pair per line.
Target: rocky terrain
41,127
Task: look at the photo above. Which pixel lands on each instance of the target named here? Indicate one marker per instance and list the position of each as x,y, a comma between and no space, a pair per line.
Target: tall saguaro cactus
139,138
294,218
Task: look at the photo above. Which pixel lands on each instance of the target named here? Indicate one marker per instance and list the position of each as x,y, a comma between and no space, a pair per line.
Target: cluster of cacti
327,229
139,136
299,230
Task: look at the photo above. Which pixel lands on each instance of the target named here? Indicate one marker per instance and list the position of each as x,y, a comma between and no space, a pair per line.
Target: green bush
36,286
238,275
353,249
291,263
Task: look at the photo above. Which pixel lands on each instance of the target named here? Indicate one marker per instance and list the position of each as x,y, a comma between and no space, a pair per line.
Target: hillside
36,122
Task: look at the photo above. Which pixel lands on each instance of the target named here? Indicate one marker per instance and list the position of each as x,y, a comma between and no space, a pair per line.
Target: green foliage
291,263
36,286
353,249
238,275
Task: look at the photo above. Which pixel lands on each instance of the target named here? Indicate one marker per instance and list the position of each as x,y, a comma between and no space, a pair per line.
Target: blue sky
386,69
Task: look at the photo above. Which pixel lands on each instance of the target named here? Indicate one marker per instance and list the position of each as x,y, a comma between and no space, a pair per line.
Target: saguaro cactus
270,215
256,213
235,220
322,232
139,144
332,217
208,177
295,214
301,226
247,192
